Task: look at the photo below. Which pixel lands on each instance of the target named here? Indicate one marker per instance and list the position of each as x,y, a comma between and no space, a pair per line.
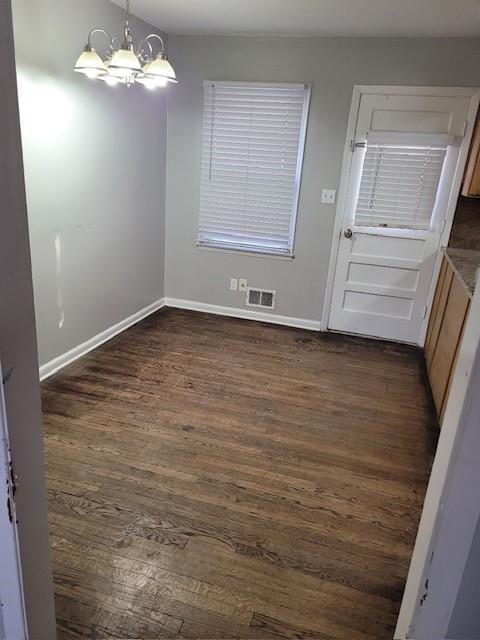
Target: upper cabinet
471,181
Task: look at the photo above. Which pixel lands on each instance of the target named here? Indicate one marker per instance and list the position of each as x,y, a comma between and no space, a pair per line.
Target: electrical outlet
233,284
328,196
242,284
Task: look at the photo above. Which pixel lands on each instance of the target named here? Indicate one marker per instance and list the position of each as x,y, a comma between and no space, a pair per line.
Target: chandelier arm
141,51
146,41
94,31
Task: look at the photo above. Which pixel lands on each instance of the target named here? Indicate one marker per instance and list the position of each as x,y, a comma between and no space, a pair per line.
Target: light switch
328,196
233,284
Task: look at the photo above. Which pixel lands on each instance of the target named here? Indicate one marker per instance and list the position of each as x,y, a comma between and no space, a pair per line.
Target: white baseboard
58,363
248,314
63,360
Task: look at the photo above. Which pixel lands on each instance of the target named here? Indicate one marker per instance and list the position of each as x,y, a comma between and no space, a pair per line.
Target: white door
12,617
405,155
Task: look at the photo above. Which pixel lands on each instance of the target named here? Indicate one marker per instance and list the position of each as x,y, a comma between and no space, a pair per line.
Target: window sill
246,252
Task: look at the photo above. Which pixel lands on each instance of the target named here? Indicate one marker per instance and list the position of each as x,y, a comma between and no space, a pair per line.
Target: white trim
49,368
247,314
12,603
227,246
452,204
249,254
341,202
358,91
258,83
456,530
52,367
441,472
434,92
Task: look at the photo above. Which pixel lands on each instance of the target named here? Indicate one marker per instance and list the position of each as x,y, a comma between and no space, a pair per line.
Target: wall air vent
261,298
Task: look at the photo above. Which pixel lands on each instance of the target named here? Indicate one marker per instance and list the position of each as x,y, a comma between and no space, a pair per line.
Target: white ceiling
312,17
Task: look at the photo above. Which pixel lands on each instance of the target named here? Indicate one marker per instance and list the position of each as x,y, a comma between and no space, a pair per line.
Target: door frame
444,536
358,91
18,348
11,595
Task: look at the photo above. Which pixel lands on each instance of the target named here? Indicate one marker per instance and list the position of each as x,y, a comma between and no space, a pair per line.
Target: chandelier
125,64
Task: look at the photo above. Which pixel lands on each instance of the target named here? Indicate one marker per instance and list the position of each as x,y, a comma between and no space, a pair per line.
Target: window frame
256,249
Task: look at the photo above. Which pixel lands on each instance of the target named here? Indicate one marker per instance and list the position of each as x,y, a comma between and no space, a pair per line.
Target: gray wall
95,174
465,621
333,66
18,353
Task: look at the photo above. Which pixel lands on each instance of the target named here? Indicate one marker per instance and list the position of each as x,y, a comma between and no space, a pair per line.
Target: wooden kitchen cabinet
445,331
438,310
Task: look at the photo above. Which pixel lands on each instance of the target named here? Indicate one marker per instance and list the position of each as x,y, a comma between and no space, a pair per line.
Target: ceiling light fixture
125,64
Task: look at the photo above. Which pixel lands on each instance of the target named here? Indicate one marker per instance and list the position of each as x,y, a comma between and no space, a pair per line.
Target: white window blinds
399,185
253,140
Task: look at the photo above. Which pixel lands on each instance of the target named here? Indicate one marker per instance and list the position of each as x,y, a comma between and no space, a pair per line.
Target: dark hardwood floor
218,478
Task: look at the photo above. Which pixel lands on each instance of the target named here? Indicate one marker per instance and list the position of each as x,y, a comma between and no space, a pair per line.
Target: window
399,184
253,140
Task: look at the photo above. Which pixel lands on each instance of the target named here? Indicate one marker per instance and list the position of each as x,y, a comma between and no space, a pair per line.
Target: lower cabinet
445,331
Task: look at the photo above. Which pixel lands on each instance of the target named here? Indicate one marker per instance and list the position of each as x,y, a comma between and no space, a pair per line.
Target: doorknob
348,233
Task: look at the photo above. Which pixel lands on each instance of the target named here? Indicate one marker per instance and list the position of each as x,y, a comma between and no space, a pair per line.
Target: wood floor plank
283,629
218,478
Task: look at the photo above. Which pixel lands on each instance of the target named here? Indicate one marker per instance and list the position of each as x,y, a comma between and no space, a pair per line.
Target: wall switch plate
242,285
328,196
233,284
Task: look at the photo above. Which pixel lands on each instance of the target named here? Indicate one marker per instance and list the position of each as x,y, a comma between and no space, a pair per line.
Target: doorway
407,151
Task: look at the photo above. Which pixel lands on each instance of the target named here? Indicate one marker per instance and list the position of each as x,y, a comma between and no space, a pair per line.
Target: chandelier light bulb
112,81
92,73
150,82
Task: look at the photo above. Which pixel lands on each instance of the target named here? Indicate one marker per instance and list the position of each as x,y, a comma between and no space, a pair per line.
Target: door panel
378,276
412,114
378,304
369,246
425,122
383,273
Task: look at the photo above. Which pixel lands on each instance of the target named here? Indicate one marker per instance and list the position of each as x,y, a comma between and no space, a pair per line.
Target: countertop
466,263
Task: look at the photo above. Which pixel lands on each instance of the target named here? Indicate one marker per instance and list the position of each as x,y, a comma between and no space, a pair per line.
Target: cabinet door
449,337
438,311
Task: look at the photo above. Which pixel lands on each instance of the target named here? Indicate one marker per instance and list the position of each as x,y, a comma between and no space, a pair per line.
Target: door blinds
253,140
399,185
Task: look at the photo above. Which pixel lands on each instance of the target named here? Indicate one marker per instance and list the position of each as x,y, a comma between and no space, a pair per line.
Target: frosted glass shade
124,63
90,64
160,68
